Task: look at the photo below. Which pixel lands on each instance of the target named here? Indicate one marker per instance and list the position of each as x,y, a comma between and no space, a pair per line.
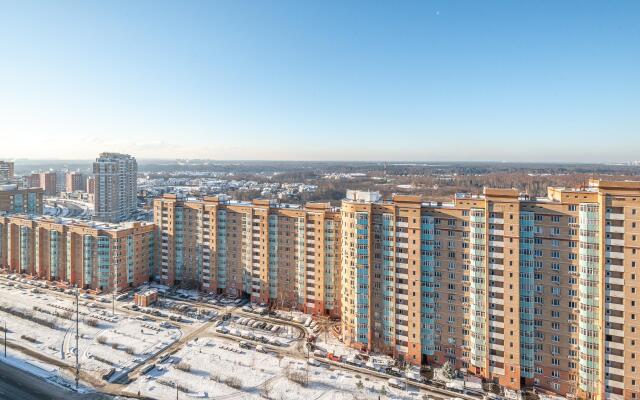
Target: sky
321,80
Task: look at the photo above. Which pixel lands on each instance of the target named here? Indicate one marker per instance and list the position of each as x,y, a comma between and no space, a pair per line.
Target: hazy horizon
330,81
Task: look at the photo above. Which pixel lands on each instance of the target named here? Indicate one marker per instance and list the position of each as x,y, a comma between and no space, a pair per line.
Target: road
17,384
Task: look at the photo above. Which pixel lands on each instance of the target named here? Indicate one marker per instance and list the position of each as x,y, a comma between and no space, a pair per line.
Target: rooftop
82,223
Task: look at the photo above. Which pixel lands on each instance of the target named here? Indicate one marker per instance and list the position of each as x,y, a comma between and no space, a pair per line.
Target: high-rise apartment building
75,181
91,185
20,200
519,290
91,255
523,291
115,187
276,253
33,180
6,171
49,183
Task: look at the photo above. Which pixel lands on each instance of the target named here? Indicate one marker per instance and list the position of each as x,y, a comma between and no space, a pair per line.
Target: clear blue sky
302,80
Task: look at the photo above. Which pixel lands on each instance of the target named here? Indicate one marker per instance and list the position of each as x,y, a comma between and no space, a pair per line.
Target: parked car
395,383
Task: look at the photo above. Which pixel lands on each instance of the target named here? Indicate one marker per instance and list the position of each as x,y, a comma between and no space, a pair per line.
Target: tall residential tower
115,187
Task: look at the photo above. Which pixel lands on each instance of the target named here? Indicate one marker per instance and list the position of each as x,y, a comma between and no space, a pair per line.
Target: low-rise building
20,200
90,255
145,298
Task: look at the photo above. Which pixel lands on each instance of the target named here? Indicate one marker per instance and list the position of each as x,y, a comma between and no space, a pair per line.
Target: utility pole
77,335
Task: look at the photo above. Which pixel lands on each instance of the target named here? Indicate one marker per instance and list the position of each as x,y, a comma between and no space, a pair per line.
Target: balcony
499,359
614,293
615,281
614,306
614,332
614,216
614,358
615,242
614,229
616,320
614,254
614,268
615,345
496,370
615,384
614,371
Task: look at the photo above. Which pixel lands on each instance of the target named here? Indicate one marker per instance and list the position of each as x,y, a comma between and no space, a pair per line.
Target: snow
470,383
262,375
542,396
124,341
133,341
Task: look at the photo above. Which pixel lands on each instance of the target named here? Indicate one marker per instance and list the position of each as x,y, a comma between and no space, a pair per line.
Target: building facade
91,185
20,200
6,171
32,180
92,256
48,181
115,188
279,254
522,291
517,290
75,181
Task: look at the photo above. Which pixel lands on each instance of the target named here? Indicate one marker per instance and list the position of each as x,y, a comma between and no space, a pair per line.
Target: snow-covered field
45,322
220,369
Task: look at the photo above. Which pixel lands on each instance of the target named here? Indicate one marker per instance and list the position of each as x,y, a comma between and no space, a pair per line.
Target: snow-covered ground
105,341
211,364
470,383
217,365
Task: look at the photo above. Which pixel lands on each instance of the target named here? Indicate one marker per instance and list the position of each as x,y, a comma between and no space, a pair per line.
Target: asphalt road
17,384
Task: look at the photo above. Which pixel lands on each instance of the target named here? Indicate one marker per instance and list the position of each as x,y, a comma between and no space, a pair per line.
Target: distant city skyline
330,81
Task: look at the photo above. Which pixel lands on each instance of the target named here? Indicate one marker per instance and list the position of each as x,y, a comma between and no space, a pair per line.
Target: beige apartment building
92,256
523,291
278,254
115,187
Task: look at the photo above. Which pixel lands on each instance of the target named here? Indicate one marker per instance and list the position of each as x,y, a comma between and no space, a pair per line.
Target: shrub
448,370
183,366
129,350
234,382
29,339
101,340
299,377
91,322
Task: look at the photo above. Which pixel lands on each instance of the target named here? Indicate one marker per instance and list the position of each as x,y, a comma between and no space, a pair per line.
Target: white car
395,383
